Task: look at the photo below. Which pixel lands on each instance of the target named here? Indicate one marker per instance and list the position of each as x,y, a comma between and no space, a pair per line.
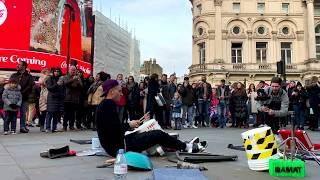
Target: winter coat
187,95
94,93
239,103
153,90
165,92
1,91
26,81
252,103
200,92
55,101
299,99
314,94
226,95
43,100
73,89
172,89
133,95
11,96
176,106
34,94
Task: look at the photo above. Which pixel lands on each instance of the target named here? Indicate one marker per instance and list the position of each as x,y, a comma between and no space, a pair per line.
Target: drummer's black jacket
109,128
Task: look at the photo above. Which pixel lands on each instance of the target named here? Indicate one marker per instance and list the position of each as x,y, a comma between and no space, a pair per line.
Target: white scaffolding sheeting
116,51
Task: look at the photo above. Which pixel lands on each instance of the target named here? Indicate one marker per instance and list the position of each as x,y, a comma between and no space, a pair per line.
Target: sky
163,27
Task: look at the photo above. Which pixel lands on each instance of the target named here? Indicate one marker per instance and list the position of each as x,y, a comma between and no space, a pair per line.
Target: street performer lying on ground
112,133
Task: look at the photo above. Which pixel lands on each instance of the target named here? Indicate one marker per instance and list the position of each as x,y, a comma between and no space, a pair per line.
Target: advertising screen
37,32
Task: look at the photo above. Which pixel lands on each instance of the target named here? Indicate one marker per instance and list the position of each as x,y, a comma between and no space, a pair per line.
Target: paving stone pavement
20,160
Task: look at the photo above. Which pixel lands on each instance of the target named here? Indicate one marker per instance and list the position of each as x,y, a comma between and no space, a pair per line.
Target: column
311,30
218,30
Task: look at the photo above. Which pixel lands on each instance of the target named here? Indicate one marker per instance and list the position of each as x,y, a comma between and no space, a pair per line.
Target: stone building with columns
241,40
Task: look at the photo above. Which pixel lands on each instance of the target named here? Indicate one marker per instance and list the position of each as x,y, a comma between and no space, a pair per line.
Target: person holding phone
111,132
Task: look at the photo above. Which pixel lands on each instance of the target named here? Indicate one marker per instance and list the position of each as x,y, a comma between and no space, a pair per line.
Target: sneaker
30,125
13,132
194,127
194,140
72,128
6,133
47,131
24,130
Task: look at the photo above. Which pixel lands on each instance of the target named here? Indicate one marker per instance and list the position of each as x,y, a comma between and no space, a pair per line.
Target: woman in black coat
153,90
55,101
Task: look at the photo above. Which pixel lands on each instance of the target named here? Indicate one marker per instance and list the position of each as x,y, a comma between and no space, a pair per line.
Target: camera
262,95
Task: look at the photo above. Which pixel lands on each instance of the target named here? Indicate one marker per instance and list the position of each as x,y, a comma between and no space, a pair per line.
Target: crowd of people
72,100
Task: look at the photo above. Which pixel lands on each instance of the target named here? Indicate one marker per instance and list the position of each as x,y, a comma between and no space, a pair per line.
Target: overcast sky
164,28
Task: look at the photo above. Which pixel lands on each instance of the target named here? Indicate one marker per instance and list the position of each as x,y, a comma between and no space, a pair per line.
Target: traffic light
281,67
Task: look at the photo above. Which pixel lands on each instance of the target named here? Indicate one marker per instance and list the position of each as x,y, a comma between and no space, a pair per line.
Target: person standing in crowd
223,94
32,101
214,108
133,98
73,85
186,93
153,90
12,99
176,111
314,100
261,116
164,89
204,92
2,83
252,104
238,101
298,99
276,106
195,109
94,98
26,82
43,99
55,101
123,100
82,110
142,97
172,86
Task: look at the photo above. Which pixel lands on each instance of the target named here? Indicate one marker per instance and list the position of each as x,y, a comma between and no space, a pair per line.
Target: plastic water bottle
120,166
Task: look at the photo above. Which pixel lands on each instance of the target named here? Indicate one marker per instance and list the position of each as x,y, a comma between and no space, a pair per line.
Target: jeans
203,111
54,116
299,113
23,112
69,114
222,110
10,119
187,114
140,142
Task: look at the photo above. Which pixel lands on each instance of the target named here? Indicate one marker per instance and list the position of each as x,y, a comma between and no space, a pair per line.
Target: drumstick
142,119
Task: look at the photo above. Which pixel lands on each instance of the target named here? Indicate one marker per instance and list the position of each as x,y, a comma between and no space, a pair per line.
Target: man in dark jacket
314,100
26,82
2,82
186,93
164,89
223,95
204,92
73,86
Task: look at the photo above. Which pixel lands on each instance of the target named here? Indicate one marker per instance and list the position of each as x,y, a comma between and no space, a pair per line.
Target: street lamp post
71,18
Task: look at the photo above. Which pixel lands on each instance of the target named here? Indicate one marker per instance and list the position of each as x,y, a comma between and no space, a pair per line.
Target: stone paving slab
20,160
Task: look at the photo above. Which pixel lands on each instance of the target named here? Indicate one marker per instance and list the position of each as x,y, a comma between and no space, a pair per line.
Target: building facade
116,50
241,40
150,67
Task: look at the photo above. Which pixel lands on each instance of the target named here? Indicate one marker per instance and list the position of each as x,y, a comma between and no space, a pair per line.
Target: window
236,7
202,53
318,41
260,7
198,10
286,52
236,52
236,30
316,9
261,52
285,8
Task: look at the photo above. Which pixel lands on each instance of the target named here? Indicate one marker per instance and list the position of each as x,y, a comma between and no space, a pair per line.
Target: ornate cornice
309,1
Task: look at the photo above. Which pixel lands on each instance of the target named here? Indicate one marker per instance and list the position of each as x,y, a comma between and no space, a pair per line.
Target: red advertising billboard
37,32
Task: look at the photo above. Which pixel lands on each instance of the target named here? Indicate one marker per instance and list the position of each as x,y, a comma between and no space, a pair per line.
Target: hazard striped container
260,146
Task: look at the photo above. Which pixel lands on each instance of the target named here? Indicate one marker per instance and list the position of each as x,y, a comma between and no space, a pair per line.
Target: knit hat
107,85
